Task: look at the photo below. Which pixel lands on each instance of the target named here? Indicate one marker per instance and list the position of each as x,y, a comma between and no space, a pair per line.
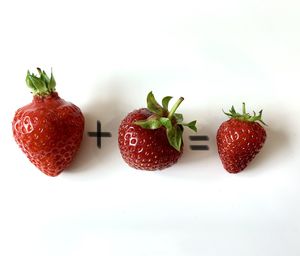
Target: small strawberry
151,138
49,130
240,139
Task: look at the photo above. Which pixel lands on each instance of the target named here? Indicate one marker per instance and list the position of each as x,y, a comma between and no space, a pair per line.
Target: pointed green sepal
52,83
178,117
165,102
153,105
149,123
40,85
166,122
162,117
191,125
175,137
245,116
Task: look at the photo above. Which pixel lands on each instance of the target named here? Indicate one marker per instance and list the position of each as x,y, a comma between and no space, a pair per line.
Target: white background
106,56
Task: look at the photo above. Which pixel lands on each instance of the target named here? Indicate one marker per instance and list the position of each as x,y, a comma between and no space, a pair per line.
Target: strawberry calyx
42,85
246,117
162,117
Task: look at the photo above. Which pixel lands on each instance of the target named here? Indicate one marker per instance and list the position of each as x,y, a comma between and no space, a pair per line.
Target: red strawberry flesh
49,131
238,143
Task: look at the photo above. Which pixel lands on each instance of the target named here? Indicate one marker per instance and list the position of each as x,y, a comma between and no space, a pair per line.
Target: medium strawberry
49,130
240,139
151,138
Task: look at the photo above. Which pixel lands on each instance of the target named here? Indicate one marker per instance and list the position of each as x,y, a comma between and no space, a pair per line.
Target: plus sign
98,134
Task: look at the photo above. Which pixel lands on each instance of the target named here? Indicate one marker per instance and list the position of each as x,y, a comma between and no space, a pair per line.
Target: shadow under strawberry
197,156
278,142
105,106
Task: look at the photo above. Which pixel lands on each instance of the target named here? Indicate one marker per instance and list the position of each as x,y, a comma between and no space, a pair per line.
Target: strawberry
240,139
151,138
49,130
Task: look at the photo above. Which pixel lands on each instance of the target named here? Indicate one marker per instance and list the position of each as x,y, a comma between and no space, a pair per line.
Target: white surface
106,56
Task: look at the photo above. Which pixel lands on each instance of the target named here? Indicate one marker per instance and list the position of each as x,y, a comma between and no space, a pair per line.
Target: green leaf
175,137
165,102
149,124
166,122
245,117
40,85
52,82
192,125
179,118
232,111
45,77
153,105
30,83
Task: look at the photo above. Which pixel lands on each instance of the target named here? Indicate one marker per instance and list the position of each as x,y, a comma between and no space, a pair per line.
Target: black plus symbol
98,134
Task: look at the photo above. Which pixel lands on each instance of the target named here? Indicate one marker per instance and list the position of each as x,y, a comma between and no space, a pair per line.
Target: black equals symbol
199,138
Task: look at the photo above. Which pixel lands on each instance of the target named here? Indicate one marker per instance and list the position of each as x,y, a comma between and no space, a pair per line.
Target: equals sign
199,138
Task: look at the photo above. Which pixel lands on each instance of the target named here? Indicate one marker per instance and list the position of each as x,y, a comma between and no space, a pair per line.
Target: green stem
244,108
174,108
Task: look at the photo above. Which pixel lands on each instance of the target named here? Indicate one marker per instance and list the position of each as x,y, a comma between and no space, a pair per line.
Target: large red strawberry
49,130
151,138
240,139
